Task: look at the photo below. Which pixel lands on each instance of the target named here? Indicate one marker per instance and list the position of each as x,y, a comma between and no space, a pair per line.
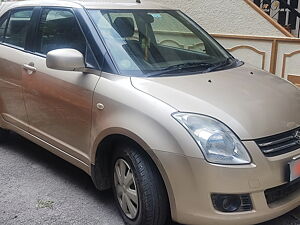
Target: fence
280,56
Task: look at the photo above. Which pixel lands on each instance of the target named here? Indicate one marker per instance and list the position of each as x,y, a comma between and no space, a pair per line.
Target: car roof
88,4
122,4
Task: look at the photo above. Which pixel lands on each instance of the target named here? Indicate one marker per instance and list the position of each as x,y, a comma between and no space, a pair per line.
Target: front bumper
191,181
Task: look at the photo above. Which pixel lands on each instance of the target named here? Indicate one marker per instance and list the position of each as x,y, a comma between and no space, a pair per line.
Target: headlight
217,142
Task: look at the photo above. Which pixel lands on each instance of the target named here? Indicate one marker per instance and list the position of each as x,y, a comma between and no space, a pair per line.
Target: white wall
225,16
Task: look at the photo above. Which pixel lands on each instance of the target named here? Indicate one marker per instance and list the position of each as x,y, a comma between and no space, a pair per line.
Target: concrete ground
37,187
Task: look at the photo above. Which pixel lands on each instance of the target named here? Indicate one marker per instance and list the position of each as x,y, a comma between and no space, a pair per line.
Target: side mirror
65,59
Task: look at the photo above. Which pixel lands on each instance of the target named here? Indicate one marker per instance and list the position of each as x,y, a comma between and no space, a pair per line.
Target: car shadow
59,167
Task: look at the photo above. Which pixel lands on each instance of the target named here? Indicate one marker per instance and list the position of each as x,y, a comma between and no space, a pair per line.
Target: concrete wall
225,16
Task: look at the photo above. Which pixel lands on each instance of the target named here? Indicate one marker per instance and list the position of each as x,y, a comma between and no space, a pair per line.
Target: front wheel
138,188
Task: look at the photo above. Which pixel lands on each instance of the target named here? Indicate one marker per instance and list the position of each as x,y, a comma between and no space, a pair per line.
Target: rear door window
3,22
59,29
18,27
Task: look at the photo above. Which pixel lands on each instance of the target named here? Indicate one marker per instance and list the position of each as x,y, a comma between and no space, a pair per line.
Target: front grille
279,193
280,143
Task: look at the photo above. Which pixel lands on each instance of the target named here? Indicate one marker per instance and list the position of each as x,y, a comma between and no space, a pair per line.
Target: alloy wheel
126,189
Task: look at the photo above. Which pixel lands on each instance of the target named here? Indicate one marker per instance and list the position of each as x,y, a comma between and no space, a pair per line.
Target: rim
126,189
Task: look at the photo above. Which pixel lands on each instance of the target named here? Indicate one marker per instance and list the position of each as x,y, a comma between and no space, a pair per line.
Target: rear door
15,27
59,103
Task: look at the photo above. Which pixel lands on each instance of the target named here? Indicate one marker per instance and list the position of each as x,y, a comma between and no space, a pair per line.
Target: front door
59,103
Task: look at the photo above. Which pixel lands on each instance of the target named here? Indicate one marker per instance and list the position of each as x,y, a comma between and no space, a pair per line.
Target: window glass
173,33
3,22
17,28
59,29
158,43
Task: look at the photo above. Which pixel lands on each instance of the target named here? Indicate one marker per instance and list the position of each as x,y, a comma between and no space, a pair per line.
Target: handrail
252,37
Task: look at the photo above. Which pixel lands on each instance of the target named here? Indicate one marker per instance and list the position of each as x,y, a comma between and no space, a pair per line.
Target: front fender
142,118
139,116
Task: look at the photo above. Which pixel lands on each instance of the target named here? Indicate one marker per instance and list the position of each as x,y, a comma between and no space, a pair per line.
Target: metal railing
282,10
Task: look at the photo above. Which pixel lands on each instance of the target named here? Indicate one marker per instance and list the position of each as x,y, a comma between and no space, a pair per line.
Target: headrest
17,26
124,26
147,18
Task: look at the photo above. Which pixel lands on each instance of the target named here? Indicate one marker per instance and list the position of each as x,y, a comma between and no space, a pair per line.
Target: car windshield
152,43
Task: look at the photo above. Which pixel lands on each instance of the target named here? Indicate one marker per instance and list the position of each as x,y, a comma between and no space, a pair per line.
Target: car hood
253,103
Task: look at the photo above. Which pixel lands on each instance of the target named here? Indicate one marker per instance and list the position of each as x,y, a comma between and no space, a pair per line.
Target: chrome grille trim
277,141
280,143
279,148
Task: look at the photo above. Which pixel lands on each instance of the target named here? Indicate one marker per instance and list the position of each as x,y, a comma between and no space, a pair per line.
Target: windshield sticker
156,15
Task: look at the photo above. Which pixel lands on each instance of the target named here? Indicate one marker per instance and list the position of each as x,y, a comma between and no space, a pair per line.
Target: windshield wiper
179,67
208,67
221,65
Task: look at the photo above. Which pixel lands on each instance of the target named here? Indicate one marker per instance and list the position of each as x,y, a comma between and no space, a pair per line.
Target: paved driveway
37,187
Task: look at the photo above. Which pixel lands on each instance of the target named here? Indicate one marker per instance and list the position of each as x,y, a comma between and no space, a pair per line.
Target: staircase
286,12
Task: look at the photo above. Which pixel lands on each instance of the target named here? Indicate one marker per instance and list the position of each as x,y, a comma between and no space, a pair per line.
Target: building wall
225,16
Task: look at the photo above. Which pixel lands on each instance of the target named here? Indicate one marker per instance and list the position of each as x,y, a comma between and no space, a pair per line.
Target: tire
151,205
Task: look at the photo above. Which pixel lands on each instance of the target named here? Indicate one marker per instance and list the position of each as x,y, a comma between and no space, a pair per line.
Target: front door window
59,29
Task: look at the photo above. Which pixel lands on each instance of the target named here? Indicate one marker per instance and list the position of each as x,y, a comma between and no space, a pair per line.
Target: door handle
30,68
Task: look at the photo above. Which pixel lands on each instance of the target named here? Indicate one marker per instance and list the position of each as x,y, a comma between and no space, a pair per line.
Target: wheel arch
102,153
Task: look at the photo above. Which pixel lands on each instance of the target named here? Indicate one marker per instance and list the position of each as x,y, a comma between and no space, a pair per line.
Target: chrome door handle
30,68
